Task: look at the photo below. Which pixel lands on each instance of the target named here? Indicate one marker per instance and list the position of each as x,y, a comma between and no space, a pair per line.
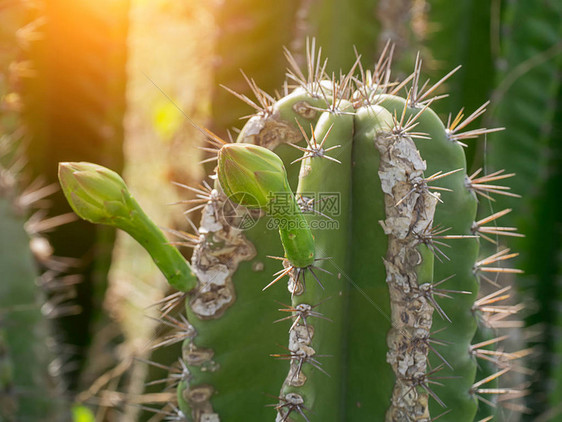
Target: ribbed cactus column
456,213
459,264
319,293
408,265
231,288
369,314
381,306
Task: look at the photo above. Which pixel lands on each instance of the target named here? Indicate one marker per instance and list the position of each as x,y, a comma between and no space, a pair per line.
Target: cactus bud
95,193
100,196
251,175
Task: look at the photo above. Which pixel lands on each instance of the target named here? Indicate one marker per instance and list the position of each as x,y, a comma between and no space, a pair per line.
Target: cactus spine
29,379
531,147
362,146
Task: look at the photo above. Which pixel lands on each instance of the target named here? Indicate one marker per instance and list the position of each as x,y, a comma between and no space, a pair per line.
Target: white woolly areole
408,211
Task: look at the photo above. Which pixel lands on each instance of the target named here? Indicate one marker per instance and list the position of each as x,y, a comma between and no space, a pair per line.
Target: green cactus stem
369,299
26,390
382,318
409,266
229,286
457,213
315,352
458,264
230,292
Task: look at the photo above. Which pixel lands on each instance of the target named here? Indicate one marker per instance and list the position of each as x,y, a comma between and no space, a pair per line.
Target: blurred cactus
269,28
264,26
528,96
30,387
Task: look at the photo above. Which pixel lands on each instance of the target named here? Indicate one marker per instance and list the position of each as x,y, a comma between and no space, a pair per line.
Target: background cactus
413,229
28,388
30,380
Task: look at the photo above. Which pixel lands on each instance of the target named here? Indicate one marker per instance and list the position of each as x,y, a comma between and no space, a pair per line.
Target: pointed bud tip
251,171
90,187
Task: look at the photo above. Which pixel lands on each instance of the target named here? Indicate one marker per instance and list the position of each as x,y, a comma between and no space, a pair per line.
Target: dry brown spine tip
481,185
300,313
265,101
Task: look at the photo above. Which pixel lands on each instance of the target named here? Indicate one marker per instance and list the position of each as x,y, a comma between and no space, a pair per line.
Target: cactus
383,311
27,389
30,387
529,79
270,27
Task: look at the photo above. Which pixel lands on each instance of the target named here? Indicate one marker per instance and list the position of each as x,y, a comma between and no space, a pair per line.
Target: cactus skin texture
381,323
29,386
26,387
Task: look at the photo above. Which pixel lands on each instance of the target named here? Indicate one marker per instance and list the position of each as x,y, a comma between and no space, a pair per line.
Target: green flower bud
100,196
251,175
95,193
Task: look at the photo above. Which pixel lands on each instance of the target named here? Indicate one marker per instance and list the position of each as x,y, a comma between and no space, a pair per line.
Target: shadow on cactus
383,319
